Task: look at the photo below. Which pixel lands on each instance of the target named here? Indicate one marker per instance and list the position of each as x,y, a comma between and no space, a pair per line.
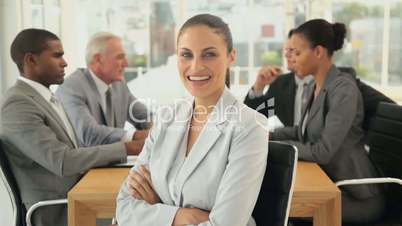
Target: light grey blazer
222,173
82,102
42,156
333,136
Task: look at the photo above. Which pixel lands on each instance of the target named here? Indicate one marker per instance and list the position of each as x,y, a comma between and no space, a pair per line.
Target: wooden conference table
315,195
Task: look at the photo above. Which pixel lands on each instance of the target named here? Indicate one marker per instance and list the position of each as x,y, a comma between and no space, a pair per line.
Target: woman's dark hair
29,41
218,25
321,32
290,33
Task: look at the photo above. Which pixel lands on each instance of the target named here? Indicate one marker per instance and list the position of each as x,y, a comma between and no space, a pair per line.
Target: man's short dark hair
30,40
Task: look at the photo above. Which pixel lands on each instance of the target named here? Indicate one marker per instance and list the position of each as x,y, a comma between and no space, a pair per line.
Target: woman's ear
232,56
320,51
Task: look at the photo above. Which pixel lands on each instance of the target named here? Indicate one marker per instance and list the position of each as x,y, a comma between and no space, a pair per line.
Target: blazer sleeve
343,103
88,130
241,182
131,211
138,114
254,103
27,128
285,133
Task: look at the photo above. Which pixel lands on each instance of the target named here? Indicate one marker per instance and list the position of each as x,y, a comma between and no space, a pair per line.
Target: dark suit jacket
283,90
42,156
334,136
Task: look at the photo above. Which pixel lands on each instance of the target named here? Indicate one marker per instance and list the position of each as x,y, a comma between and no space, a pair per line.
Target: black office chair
385,150
9,183
20,217
273,203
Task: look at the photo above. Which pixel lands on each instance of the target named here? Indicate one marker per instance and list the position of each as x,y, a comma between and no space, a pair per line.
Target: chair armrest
379,180
40,204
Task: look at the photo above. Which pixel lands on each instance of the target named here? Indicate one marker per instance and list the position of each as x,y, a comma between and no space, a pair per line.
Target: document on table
274,123
131,159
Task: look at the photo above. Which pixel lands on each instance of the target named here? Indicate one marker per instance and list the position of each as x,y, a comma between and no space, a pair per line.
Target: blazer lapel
291,93
316,104
319,102
95,92
28,90
171,148
207,138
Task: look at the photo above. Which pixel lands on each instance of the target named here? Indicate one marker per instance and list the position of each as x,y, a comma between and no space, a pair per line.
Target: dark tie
109,109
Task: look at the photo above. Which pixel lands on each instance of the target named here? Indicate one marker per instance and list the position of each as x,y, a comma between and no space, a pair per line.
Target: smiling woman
204,57
209,134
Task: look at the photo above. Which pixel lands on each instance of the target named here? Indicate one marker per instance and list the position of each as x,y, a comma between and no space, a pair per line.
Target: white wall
10,25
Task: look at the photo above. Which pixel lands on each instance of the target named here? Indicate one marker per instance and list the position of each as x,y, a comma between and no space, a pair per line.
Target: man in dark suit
38,138
281,93
283,90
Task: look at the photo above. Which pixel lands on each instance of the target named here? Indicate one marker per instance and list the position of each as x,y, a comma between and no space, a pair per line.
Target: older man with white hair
97,99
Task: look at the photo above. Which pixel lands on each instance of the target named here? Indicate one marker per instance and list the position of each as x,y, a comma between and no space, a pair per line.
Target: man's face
49,65
288,48
112,62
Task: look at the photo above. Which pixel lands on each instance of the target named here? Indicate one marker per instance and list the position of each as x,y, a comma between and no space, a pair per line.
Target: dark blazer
42,156
334,136
283,90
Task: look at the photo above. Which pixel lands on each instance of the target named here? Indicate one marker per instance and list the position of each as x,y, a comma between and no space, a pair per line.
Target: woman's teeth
199,78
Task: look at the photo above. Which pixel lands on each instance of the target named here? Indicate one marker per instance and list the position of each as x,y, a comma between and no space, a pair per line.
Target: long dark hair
220,28
321,32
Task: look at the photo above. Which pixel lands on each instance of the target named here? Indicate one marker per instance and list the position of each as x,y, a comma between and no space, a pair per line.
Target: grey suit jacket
222,173
334,136
42,156
82,102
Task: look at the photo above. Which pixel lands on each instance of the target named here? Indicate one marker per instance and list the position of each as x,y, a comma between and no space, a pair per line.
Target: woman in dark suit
330,132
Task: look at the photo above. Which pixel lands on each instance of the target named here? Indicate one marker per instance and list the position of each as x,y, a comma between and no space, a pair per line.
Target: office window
395,45
259,28
37,14
45,14
364,42
146,27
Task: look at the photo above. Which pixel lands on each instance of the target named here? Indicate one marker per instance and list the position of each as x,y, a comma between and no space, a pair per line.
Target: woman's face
203,59
304,57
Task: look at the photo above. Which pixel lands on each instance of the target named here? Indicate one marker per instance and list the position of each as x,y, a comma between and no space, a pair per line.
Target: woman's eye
186,54
209,54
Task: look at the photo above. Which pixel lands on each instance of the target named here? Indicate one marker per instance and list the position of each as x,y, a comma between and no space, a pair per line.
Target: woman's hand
140,186
186,216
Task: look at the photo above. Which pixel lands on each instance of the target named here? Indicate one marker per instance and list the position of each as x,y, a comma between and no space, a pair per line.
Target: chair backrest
8,181
273,203
371,97
385,142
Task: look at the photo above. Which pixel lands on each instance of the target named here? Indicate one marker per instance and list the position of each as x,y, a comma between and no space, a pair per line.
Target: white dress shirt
102,89
56,105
